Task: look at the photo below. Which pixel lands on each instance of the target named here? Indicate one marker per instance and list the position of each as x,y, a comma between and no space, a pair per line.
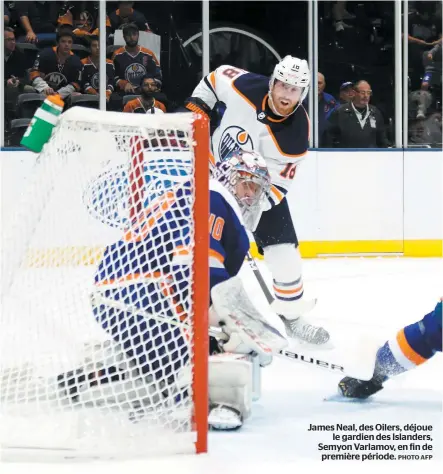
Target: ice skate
292,314
361,389
300,329
224,418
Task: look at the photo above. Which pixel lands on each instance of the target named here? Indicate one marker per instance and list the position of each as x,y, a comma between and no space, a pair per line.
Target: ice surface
359,298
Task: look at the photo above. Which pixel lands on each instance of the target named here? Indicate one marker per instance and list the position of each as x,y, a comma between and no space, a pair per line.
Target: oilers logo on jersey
95,81
135,73
233,138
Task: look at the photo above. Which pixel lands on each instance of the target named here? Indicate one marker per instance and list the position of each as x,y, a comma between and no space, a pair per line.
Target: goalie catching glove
245,327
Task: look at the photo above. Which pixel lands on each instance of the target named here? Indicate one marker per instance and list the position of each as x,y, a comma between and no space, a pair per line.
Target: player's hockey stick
284,353
258,276
99,298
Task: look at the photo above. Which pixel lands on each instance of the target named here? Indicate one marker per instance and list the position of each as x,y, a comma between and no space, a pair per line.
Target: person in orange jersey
146,103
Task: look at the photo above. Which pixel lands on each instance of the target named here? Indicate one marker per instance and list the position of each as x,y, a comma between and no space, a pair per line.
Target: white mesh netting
97,314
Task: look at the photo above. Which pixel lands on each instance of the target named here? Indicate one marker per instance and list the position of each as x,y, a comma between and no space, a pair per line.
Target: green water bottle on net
45,119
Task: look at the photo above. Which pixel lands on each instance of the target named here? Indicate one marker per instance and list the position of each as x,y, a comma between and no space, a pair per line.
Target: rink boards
343,202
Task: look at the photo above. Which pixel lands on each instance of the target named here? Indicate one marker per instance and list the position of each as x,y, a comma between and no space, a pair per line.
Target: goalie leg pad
234,311
107,375
285,264
230,382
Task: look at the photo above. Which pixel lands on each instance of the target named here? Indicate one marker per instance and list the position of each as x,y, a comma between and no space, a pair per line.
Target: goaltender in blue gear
131,303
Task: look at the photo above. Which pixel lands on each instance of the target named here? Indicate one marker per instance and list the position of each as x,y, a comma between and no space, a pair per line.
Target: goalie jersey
160,244
249,123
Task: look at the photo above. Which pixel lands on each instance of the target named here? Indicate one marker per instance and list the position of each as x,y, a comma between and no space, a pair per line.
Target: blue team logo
166,174
106,195
233,138
135,73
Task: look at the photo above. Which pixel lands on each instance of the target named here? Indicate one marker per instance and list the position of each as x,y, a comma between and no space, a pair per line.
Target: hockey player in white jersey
267,115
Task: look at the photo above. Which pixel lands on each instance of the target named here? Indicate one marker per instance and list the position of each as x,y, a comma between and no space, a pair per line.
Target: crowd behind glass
53,48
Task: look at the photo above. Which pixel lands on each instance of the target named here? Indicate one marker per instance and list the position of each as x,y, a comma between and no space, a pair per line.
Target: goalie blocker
136,301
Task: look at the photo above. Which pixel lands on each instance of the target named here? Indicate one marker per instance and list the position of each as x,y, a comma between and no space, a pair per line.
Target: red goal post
78,201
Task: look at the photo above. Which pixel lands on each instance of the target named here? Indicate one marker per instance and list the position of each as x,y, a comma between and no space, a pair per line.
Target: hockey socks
413,345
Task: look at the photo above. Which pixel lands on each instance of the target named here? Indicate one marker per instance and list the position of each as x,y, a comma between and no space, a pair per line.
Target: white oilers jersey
249,123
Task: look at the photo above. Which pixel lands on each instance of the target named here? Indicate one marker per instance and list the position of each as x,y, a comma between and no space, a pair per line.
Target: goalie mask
246,176
289,85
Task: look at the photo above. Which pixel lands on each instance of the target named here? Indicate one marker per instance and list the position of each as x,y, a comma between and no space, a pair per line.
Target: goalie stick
285,353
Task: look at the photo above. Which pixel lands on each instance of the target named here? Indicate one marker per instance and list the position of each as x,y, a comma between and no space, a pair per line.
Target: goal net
103,334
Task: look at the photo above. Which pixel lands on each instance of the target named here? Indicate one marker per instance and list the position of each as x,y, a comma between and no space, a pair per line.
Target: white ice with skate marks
357,299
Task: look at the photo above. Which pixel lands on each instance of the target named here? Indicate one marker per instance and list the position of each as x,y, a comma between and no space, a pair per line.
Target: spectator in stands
125,14
13,69
426,133
146,103
86,25
15,75
357,124
346,92
65,14
84,20
431,79
90,80
133,62
326,105
58,69
38,20
422,35
340,13
6,14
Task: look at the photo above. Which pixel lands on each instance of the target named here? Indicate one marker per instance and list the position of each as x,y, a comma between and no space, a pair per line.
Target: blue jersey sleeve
229,242
162,246
149,245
